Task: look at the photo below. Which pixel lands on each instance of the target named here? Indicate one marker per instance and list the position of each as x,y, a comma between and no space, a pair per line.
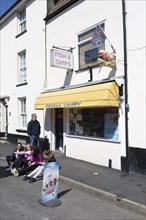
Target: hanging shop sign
106,59
61,59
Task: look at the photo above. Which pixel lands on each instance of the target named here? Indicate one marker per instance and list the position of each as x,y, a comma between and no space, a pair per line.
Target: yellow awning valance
103,94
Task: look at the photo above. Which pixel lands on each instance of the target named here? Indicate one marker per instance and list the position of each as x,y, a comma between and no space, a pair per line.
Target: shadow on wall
68,78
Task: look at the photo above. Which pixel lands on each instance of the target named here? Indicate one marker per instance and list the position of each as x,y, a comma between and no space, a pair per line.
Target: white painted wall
34,43
136,45
62,32
93,151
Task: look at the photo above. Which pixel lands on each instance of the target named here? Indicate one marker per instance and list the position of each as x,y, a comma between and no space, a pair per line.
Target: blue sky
5,5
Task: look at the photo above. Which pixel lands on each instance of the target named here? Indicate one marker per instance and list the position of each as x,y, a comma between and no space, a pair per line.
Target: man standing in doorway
33,130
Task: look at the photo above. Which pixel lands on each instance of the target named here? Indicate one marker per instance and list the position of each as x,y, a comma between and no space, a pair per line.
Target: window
22,113
94,122
22,21
22,67
87,51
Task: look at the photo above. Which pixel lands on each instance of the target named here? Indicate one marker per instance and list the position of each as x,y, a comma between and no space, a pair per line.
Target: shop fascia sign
61,59
63,105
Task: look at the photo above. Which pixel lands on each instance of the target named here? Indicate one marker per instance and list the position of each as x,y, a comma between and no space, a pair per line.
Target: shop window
94,122
87,51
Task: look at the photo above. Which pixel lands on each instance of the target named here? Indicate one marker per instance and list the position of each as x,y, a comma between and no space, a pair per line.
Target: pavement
126,189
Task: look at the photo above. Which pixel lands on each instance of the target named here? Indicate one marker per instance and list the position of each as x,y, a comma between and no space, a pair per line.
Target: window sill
21,130
23,32
21,84
93,138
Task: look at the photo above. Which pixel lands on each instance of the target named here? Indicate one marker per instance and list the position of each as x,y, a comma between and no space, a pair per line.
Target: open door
59,127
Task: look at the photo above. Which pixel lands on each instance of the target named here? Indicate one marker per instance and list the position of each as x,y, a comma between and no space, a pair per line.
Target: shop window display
94,122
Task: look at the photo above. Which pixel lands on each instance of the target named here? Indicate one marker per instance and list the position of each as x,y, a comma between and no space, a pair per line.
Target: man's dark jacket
33,128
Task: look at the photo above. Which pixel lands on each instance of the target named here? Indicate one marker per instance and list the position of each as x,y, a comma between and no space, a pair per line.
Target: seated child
33,163
11,158
24,157
47,157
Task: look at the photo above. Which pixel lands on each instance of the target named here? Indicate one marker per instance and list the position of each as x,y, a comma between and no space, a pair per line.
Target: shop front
86,120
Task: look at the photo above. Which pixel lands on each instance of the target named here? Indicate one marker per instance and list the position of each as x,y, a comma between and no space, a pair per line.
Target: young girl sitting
33,163
24,158
47,157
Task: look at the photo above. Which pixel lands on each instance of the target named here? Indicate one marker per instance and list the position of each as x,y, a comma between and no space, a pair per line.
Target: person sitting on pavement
47,158
11,158
32,164
24,157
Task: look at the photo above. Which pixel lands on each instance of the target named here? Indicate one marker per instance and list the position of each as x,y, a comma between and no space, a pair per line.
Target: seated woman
24,157
47,158
32,164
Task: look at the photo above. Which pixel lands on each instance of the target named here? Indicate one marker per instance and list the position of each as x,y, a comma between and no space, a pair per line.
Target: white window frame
22,76
22,113
22,21
87,40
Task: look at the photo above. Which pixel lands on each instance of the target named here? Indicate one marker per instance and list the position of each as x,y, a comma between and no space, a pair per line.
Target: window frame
21,21
22,119
88,40
22,67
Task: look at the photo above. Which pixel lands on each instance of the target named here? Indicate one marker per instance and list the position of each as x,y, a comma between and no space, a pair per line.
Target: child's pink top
27,154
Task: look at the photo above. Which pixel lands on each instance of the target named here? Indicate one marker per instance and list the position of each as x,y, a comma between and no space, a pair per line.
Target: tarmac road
19,200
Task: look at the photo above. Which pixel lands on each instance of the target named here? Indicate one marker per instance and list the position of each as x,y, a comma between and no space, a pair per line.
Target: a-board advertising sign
50,182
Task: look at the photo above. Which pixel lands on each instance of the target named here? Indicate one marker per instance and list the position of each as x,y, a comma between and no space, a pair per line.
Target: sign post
50,185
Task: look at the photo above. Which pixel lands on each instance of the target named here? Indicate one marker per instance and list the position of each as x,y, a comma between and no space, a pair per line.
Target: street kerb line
126,203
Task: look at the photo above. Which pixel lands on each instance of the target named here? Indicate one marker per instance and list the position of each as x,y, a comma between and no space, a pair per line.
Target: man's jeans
34,140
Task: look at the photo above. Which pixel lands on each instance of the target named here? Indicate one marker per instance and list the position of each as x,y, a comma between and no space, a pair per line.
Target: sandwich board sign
49,195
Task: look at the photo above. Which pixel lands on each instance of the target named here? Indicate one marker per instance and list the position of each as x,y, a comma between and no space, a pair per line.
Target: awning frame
93,95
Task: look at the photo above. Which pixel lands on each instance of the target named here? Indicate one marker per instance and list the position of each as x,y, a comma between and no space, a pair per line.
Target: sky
5,5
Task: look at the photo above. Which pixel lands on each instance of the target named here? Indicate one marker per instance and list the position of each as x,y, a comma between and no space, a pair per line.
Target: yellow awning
103,94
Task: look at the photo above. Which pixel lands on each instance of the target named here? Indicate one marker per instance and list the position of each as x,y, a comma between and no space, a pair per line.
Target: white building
87,108
22,65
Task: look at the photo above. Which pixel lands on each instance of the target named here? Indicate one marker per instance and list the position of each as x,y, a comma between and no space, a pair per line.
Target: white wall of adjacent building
136,53
33,41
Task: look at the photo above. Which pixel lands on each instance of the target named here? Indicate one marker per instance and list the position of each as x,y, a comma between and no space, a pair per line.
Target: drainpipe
46,72
6,134
126,85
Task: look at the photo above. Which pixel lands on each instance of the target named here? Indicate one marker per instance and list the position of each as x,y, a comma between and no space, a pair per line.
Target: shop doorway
59,128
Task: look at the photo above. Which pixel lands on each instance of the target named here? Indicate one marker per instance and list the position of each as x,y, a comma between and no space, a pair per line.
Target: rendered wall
34,43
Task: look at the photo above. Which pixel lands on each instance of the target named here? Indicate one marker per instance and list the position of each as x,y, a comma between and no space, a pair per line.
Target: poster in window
111,129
